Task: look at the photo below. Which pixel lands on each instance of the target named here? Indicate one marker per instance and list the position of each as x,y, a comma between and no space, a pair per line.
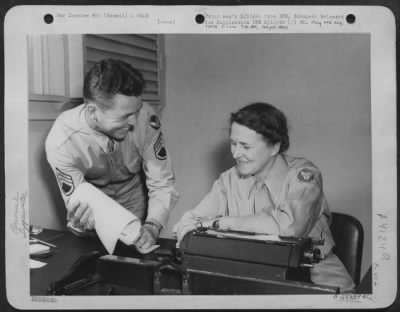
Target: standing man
109,141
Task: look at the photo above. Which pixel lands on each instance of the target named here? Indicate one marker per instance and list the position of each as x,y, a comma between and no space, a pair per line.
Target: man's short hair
109,77
266,120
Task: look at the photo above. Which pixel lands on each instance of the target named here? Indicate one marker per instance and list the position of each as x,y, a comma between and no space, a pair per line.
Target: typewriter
235,262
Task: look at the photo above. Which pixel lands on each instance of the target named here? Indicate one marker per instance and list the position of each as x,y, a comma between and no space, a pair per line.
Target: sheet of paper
38,249
34,264
261,237
110,217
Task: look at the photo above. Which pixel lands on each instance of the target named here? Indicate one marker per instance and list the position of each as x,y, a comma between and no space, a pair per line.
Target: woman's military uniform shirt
293,198
77,153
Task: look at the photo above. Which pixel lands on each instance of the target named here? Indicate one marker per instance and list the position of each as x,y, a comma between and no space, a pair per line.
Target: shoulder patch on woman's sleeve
155,122
306,175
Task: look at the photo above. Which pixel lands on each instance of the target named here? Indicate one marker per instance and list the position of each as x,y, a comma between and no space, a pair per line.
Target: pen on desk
36,240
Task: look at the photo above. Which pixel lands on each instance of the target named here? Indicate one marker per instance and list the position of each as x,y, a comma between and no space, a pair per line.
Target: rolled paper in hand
109,216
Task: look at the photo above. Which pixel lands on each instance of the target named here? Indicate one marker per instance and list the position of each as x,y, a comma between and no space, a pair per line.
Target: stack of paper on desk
38,250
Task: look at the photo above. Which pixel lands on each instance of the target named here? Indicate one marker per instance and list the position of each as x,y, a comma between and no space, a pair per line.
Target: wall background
321,82
46,204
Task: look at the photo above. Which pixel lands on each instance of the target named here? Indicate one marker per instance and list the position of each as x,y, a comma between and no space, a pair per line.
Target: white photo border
383,123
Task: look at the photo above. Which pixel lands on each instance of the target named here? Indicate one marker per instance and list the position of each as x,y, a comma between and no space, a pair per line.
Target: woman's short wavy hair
266,120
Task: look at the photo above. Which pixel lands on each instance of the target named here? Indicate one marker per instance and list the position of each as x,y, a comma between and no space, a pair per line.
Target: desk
69,249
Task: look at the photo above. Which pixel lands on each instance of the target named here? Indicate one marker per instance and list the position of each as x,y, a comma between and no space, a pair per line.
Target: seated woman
270,192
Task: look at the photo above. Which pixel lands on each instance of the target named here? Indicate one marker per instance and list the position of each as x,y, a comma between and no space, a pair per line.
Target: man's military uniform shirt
77,153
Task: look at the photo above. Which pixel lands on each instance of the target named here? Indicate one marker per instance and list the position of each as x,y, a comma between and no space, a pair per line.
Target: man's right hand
148,237
80,215
188,222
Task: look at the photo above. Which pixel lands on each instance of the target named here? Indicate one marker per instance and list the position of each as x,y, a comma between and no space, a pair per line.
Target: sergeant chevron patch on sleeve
159,148
65,182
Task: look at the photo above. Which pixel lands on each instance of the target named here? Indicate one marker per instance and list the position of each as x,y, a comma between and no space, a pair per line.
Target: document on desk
38,249
259,237
109,216
34,264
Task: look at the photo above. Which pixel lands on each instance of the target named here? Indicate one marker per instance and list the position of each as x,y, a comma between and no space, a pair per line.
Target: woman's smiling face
251,152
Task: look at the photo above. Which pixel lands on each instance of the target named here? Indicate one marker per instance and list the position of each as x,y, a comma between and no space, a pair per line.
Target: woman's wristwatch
215,224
